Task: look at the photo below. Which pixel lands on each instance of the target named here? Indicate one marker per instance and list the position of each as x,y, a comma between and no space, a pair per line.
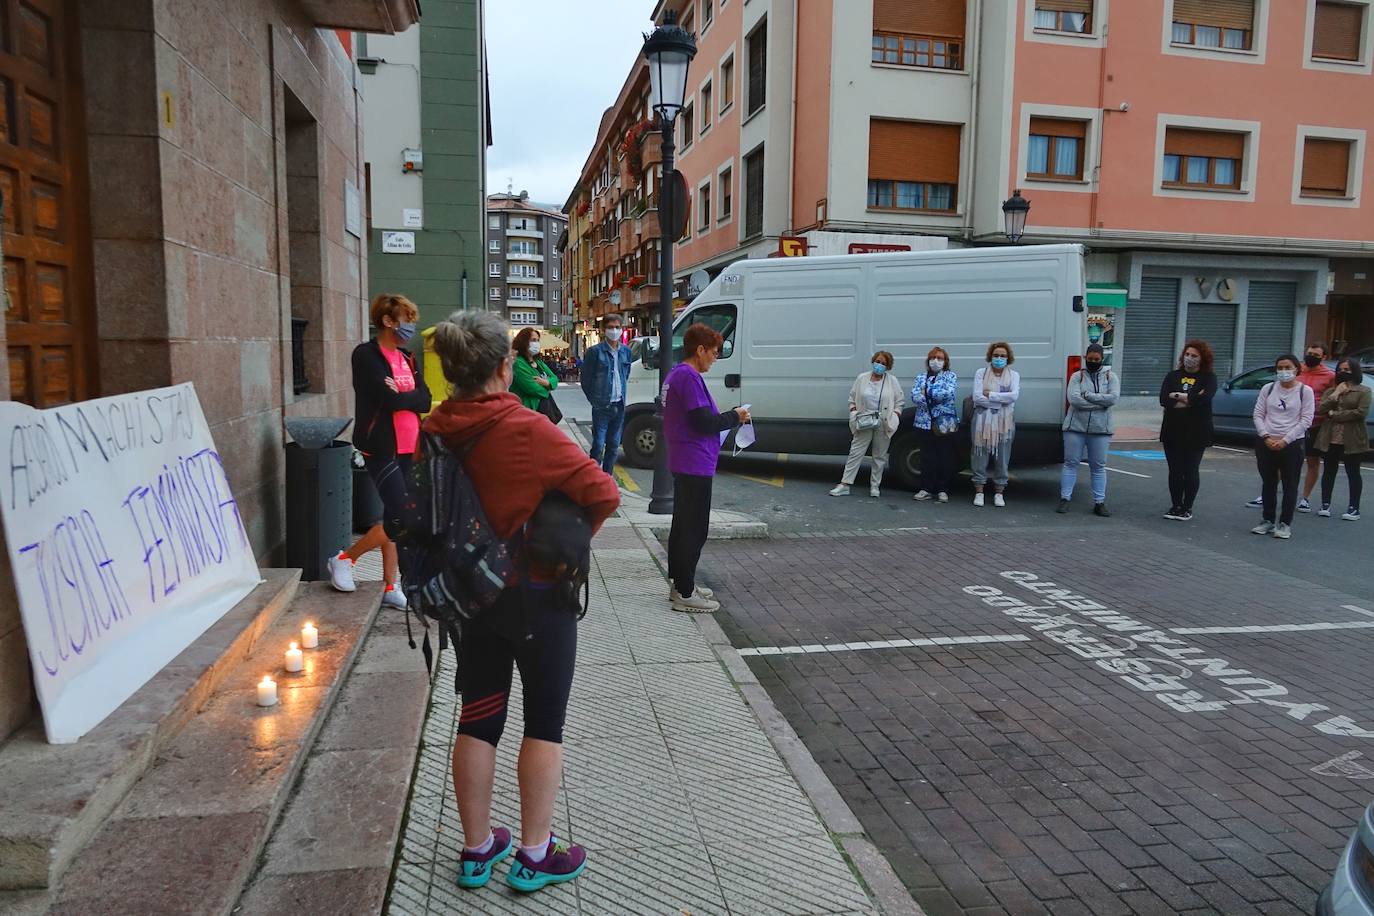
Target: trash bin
319,493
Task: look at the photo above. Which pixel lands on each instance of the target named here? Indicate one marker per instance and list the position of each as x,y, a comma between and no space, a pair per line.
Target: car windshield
1253,380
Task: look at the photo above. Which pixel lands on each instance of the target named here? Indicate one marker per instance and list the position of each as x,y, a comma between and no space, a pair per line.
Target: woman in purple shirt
692,427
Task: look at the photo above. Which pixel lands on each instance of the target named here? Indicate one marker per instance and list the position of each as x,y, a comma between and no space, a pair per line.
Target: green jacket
525,384
1349,410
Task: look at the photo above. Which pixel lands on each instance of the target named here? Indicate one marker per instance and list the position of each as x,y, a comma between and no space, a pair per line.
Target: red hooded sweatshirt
520,457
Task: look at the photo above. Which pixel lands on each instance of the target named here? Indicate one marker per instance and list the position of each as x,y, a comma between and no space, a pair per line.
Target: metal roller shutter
1216,324
1148,347
1269,321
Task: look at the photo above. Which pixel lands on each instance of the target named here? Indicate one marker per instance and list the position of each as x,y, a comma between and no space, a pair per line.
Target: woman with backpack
514,459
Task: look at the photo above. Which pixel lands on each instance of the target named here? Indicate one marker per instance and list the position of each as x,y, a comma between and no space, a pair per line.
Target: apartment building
524,270
1211,155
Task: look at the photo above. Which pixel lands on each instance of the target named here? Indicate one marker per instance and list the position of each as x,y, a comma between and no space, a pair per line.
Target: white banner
125,541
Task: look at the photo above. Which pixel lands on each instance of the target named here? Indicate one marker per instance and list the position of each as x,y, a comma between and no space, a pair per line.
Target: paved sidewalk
669,779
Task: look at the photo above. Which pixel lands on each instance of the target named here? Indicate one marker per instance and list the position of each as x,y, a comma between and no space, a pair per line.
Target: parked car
1233,407
1351,891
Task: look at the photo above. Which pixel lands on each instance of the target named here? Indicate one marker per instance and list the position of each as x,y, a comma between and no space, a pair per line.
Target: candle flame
267,679
309,625
293,645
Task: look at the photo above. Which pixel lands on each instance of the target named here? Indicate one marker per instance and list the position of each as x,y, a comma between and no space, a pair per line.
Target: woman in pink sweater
1283,413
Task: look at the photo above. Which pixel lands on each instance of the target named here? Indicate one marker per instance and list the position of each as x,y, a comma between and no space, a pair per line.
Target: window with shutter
1325,167
753,193
919,33
758,67
1074,16
1337,31
1055,149
1206,159
913,165
1228,24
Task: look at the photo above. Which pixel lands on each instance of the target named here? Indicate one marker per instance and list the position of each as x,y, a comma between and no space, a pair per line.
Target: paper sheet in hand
725,434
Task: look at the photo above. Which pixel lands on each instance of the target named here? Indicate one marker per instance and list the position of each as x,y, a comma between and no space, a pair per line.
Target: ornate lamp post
1015,209
669,49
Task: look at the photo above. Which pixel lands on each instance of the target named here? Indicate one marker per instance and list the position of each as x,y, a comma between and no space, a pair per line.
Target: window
1064,16
1326,167
727,84
494,222
1337,31
726,181
555,271
1254,380
704,207
927,34
720,318
494,246
1209,159
1225,24
708,14
753,193
494,293
913,165
1055,149
555,295
757,49
706,107
688,122
493,270
524,318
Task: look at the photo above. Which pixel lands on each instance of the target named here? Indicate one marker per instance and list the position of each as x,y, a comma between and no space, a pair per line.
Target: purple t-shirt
689,452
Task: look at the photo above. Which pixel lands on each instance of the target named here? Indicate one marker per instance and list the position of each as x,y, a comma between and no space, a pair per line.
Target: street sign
675,190
398,242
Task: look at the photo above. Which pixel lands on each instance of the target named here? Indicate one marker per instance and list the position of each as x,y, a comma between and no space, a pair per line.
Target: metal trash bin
319,493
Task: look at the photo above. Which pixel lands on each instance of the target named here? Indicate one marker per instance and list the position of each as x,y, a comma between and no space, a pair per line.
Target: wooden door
50,319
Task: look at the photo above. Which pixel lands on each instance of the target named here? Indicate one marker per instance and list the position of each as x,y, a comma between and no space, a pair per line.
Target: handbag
549,409
866,421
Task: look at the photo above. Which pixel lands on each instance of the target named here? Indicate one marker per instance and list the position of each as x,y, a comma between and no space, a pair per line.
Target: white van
798,330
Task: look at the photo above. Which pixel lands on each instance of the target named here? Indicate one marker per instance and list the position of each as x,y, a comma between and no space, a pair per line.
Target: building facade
425,110
1211,156
524,270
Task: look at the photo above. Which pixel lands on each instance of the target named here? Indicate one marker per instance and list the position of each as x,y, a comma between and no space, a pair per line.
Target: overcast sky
555,67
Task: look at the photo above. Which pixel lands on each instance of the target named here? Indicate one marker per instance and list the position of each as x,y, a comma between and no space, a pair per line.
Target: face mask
404,332
1093,366
1287,375
999,362
1192,363
1345,376
936,365
1312,360
613,335
879,368
534,348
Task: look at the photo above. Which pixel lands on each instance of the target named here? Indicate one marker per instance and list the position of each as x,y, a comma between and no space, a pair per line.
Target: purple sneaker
474,870
561,863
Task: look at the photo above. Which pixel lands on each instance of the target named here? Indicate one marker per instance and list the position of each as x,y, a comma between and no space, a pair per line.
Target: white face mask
1287,375
937,364
613,335
534,348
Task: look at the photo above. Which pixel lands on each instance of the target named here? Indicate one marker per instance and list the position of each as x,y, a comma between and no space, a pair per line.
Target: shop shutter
1325,166
1215,322
920,17
1218,144
1066,6
1269,316
913,151
1337,31
1058,127
1226,14
1148,344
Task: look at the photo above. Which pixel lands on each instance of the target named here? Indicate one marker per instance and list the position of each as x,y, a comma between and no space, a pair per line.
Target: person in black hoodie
1186,430
390,395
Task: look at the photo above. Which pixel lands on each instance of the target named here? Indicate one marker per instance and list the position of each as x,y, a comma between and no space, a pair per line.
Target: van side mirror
726,349
1078,304
649,355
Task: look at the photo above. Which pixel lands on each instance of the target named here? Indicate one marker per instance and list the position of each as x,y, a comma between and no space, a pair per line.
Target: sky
554,69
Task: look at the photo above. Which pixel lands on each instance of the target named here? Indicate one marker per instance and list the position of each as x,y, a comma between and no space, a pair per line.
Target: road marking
775,481
1129,473
1239,451
818,649
1277,628
1140,454
1357,610
623,478
1345,765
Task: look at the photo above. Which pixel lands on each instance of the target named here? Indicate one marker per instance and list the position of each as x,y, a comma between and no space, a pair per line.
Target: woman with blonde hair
996,387
876,402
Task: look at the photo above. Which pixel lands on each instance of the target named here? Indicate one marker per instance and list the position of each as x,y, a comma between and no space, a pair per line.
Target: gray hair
472,347
613,316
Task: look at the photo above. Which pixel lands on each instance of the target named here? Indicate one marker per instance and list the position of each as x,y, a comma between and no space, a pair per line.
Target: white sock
536,853
485,847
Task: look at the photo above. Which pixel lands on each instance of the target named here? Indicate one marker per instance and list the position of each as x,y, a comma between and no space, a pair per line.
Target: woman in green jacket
533,382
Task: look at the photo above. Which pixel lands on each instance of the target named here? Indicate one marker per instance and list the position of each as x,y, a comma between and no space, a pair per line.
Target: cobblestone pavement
1093,720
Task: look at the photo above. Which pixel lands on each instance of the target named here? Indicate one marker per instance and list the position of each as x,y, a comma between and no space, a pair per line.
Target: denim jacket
934,398
597,365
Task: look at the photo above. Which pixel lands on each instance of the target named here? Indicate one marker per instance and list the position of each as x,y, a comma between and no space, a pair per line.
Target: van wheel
640,440
904,461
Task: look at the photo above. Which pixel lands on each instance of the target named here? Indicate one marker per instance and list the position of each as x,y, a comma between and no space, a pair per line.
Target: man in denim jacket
605,373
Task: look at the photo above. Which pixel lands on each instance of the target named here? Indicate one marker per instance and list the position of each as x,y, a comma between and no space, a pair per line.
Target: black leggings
389,476
691,525
937,461
1335,457
495,643
1185,476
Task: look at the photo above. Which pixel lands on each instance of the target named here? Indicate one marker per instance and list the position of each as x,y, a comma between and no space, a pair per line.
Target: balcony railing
522,256
525,233
521,278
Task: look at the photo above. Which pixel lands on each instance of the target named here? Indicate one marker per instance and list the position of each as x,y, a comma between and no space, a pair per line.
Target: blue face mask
879,369
404,332
999,362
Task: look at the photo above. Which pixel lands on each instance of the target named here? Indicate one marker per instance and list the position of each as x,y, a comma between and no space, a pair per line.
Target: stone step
55,796
186,836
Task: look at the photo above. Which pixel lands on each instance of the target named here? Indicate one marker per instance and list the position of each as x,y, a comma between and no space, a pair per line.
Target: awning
1106,296
550,342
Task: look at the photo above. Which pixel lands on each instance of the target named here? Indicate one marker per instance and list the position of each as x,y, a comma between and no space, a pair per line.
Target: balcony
652,149
524,233
525,303
647,295
521,278
522,256
382,17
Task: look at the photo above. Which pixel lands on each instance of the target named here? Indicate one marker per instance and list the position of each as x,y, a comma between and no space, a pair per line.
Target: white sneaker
1324,512
1304,505
1282,531
998,501
699,590
1256,503
978,499
943,497
874,492
1352,516
696,604
341,573
841,490
921,495
1263,528
394,597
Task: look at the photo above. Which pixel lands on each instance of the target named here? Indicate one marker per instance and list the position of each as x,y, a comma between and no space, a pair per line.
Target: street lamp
669,49
1015,209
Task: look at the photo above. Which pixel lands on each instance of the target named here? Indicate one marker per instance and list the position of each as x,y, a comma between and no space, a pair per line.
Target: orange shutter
913,151
1336,33
1325,166
920,17
1183,141
1066,6
1226,14
1055,127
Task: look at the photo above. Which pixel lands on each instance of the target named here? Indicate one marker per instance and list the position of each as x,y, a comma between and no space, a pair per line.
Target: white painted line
1239,451
1275,628
1358,610
884,644
1131,473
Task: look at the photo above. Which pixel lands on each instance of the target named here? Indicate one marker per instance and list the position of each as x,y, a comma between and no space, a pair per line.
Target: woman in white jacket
876,402
996,387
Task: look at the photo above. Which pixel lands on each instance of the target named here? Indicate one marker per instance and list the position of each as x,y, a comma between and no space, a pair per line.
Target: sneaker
1282,531
978,499
1304,505
841,490
921,495
1352,516
341,573
1263,528
998,501
1256,503
943,497
1185,515
1063,507
874,492
696,604
1100,510
474,869
1324,511
1174,514
561,863
395,598
700,590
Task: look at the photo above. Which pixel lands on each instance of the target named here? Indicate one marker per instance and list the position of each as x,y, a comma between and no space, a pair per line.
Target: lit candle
295,661
310,636
267,691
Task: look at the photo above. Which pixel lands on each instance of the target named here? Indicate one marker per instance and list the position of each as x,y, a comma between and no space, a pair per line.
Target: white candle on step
310,636
295,661
267,691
